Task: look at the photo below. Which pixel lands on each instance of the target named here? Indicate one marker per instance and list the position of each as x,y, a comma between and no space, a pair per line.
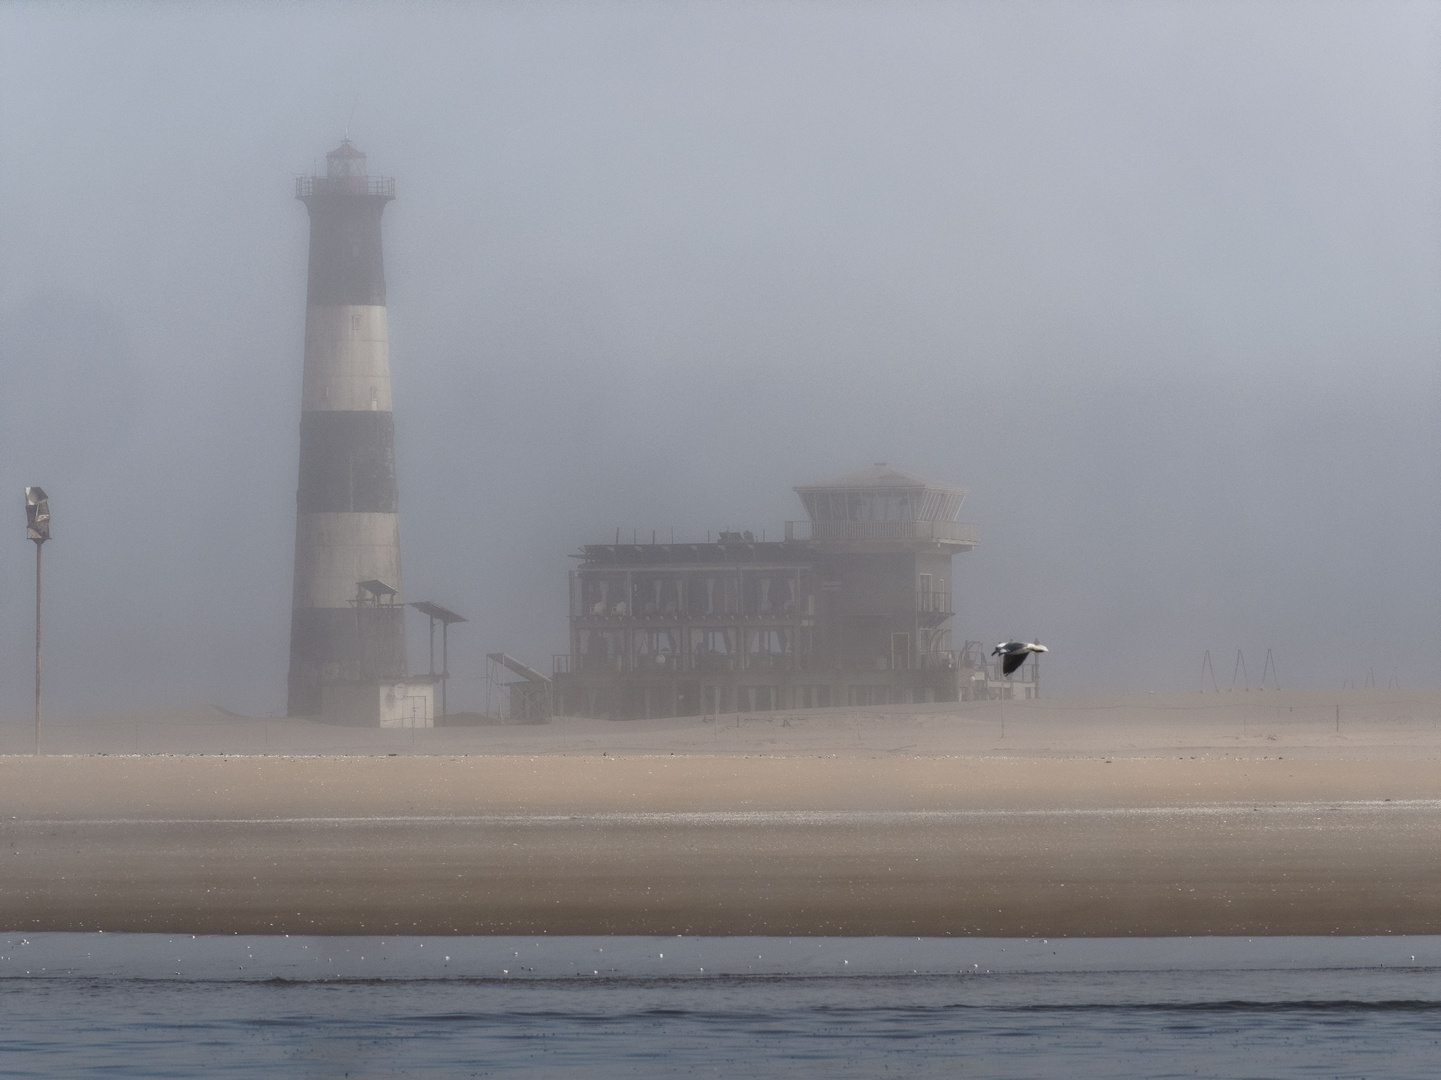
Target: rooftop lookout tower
883,509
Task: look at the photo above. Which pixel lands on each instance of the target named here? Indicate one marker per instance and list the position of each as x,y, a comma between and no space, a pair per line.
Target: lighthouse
347,630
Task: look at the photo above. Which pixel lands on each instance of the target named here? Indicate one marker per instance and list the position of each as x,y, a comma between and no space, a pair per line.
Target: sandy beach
1282,813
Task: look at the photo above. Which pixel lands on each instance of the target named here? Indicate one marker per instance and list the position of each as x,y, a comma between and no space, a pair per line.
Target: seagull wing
1013,661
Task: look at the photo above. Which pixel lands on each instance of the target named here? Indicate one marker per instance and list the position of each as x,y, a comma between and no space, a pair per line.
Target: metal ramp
532,700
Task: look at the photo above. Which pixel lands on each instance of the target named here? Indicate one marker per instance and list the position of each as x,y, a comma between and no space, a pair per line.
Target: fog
1156,282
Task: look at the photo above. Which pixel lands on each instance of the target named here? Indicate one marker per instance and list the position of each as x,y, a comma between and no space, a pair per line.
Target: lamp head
37,514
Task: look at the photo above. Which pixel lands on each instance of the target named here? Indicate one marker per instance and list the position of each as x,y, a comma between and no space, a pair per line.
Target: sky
1155,282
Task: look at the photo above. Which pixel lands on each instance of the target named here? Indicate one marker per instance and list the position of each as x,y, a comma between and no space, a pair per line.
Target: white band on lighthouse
347,359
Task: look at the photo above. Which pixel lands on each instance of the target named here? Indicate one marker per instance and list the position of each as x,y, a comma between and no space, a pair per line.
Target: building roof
726,552
435,611
346,149
879,475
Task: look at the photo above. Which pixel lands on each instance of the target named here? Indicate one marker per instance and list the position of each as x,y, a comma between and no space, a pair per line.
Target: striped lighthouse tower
347,632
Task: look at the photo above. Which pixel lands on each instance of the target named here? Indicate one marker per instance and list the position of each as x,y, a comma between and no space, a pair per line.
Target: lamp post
37,528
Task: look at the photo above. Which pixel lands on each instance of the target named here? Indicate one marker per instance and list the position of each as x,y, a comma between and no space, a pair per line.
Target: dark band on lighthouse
347,463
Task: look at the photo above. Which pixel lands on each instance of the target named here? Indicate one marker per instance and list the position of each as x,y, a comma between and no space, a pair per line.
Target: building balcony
933,608
668,664
933,601
600,615
957,534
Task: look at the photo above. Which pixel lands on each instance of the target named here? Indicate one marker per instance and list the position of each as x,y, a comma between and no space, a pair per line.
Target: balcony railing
720,663
928,602
933,602
949,532
782,614
306,186
670,663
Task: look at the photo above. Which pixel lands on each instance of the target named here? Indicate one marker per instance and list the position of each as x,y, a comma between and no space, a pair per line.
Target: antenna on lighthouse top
351,118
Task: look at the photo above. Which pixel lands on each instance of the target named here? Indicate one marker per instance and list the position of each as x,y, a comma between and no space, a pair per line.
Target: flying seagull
1015,653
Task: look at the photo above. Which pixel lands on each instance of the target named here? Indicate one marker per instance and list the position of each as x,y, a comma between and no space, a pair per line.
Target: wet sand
1138,823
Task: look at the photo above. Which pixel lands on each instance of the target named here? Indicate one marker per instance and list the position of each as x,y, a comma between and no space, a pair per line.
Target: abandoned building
852,607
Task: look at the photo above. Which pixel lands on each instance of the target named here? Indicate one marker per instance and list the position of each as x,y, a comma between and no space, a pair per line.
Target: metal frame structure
532,699
445,617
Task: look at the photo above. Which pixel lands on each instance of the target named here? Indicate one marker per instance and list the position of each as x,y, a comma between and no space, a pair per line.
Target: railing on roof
306,186
950,532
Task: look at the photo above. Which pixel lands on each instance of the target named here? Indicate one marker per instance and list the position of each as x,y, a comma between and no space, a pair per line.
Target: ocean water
142,1005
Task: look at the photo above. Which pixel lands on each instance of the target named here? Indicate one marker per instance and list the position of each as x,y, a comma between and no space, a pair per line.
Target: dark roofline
879,477
731,551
